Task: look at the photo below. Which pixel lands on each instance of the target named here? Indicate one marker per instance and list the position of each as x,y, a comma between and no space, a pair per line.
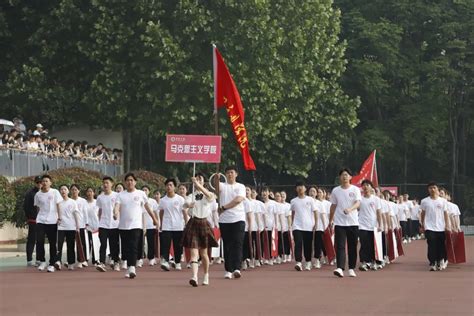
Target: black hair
108,178
74,186
367,181
300,184
171,180
231,167
349,171
265,189
156,191
46,176
431,184
200,174
130,174
145,186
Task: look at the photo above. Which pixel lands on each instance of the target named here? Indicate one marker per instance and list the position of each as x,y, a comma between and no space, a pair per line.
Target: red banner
226,95
368,171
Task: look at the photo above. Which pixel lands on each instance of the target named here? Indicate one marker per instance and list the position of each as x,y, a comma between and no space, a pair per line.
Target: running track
403,288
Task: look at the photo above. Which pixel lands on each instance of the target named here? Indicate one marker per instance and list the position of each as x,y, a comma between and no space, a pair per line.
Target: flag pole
216,116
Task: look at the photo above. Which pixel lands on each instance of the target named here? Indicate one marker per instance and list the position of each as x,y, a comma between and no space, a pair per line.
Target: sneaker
172,264
324,261
42,266
57,265
116,266
218,260
85,264
111,264
193,282
51,269
30,263
257,263
124,265
278,260
288,258
165,265
405,241
252,264
307,266
140,263
352,273
188,266
178,266
244,265
228,275
298,266
79,265
131,272
101,267
270,262
443,264
317,264
152,262
333,262
127,275
363,266
433,267
205,279
339,273
237,274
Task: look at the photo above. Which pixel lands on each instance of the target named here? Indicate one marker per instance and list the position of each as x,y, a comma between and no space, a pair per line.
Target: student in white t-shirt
68,225
82,214
174,215
108,226
258,208
270,219
345,200
403,214
149,229
370,217
280,227
286,227
435,221
454,214
46,201
408,205
92,221
305,218
247,249
323,222
415,220
129,205
232,221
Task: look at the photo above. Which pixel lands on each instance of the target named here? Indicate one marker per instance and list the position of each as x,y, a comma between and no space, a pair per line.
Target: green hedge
7,200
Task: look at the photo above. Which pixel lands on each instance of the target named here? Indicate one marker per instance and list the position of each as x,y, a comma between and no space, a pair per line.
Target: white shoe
307,266
252,264
443,264
270,262
178,266
333,262
317,264
79,265
57,265
71,267
116,266
363,266
101,267
405,241
42,266
218,260
51,269
244,265
339,273
188,266
124,265
140,263
152,262
352,273
205,279
30,263
433,268
237,274
164,265
278,260
132,273
85,264
257,263
323,260
288,258
228,275
298,266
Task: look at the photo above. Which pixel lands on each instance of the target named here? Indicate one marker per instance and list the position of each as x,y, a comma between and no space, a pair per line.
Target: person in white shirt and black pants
345,200
232,221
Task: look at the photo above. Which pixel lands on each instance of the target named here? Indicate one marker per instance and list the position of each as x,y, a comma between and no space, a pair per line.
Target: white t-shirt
173,218
434,213
82,206
154,207
92,216
271,210
402,212
228,192
285,212
453,209
248,212
345,198
67,209
323,215
202,205
415,212
393,213
368,212
106,203
47,204
214,214
304,209
131,209
259,211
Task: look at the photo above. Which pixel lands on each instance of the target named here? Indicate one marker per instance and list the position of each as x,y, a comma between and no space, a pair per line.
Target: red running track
405,287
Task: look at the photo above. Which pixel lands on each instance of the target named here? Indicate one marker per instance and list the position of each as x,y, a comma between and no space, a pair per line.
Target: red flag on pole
368,171
226,95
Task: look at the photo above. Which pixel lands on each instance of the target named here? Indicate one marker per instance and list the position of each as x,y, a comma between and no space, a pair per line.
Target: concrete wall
10,234
110,139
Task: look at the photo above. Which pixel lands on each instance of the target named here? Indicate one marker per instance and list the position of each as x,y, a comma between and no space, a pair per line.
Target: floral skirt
198,234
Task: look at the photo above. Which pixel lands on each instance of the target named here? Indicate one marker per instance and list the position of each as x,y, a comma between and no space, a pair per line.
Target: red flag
368,171
226,95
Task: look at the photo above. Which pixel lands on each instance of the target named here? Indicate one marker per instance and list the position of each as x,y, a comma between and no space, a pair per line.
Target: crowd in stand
38,141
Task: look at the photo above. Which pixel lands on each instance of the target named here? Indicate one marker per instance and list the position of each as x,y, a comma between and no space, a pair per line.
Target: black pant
303,240
112,235
246,246
404,225
283,243
367,250
343,233
82,232
91,247
51,231
141,246
130,241
150,241
436,246
70,236
319,244
384,244
30,241
233,237
415,227
165,241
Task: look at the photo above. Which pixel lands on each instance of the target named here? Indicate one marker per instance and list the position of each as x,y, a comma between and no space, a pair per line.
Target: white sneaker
433,268
71,267
244,265
124,265
252,264
57,265
79,265
323,260
178,266
298,266
405,241
317,264
164,265
116,266
352,273
288,258
270,262
339,273
363,266
131,272
443,264
278,260
205,279
152,262
218,260
101,268
85,264
333,262
257,263
237,274
42,266
140,263
307,266
51,269
188,266
228,275
30,263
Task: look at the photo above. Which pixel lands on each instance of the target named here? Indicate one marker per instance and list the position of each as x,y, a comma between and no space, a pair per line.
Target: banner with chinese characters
193,148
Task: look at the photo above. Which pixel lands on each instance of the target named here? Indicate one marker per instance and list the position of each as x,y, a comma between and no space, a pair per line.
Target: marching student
31,213
82,214
305,218
92,221
345,200
370,217
403,212
286,225
68,224
231,221
280,227
247,247
435,221
454,214
108,226
415,220
46,200
198,235
259,209
183,191
409,205
213,219
323,222
270,219
149,228
173,216
129,205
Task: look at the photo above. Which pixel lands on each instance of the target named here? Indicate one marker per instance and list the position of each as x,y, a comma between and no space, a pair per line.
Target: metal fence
16,163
